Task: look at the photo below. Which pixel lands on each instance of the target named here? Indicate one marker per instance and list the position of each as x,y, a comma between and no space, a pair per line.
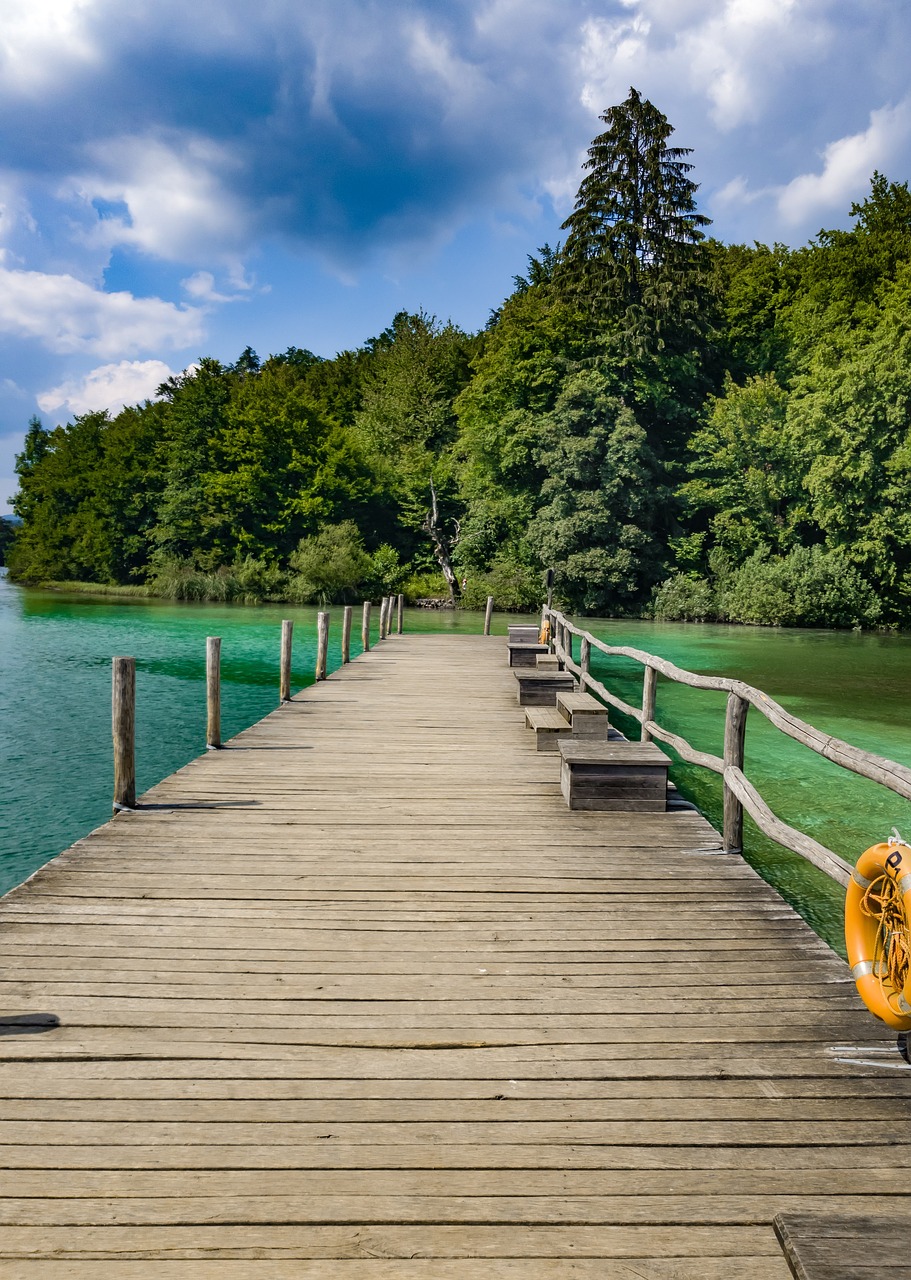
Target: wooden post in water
365,627
213,692
285,676
384,605
401,615
735,725
322,645
649,689
550,588
346,634
488,614
123,727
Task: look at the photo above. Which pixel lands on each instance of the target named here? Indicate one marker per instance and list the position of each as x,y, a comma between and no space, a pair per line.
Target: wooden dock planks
359,997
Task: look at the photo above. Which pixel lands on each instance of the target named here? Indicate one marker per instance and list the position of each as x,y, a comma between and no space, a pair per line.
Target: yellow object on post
878,931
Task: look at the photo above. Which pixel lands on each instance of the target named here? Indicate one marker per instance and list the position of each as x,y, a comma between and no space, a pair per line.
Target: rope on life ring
878,931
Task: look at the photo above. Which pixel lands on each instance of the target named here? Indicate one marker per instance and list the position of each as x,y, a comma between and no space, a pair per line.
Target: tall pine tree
632,251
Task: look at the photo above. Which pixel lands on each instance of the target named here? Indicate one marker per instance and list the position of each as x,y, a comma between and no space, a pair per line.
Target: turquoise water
55,747
55,698
854,686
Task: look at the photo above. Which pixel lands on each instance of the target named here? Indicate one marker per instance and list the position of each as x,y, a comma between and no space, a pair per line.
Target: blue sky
182,179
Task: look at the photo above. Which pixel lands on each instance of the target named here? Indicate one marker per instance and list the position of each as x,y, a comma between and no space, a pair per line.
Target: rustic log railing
739,792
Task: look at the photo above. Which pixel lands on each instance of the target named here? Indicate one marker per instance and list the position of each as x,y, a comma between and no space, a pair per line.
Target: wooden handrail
739,793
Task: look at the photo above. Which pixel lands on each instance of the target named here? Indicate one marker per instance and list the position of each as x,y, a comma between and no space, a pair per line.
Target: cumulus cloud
348,127
41,41
66,315
847,166
735,54
110,386
169,196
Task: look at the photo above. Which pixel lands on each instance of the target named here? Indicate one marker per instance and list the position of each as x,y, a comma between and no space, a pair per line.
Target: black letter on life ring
894,860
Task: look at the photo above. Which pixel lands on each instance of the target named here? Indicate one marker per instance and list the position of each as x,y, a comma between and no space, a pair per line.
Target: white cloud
847,165
66,315
735,53
110,386
39,38
177,205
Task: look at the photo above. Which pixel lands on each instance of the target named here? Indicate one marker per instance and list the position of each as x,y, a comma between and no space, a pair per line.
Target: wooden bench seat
525,655
548,662
587,716
540,688
549,727
620,777
524,633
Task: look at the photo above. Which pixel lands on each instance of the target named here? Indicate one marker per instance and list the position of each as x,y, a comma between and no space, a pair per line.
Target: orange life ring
544,637
879,947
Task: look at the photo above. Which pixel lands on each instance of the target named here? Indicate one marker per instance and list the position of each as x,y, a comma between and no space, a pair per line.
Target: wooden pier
359,997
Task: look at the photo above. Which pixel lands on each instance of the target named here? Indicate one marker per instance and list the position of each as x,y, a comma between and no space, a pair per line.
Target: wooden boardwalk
359,998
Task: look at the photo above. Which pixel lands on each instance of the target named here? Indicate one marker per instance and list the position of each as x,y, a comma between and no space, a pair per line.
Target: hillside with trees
681,428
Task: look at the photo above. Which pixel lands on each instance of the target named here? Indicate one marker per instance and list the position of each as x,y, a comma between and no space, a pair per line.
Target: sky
185,179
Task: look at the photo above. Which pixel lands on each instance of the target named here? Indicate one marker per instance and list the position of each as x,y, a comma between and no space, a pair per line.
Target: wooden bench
548,662
845,1246
523,634
525,655
585,714
549,727
540,688
620,777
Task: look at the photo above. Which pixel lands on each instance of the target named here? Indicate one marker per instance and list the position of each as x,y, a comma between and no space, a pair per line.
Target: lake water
55,748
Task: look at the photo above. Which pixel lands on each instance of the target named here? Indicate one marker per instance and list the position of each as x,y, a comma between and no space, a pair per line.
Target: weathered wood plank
358,991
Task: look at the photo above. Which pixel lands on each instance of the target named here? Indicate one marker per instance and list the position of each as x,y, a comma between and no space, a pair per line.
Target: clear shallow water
55,698
851,685
55,743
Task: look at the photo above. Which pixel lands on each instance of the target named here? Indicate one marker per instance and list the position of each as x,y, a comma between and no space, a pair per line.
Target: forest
680,428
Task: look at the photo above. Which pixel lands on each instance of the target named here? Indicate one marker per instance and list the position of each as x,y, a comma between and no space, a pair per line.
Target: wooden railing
739,792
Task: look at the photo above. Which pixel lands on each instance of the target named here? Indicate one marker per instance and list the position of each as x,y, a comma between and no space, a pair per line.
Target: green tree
850,415
7,534
329,566
187,529
747,472
632,246
409,427
601,499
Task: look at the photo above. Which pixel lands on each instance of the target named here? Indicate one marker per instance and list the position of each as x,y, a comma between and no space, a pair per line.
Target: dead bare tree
443,542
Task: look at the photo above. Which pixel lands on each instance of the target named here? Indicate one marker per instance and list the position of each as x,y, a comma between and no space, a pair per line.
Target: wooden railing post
384,617
735,724
401,615
488,614
284,692
585,659
213,692
550,589
123,727
322,645
649,690
365,627
346,633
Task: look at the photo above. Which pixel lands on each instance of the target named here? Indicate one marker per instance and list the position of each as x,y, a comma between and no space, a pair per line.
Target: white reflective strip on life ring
904,885
860,880
861,969
903,1004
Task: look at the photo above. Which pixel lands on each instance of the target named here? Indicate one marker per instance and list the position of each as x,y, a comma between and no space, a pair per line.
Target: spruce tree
632,252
